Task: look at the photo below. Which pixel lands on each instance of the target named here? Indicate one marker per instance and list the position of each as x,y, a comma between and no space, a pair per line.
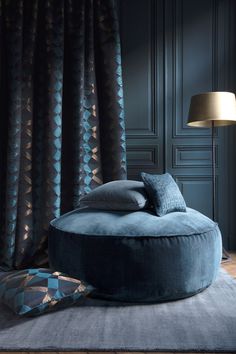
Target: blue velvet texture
117,195
164,193
137,256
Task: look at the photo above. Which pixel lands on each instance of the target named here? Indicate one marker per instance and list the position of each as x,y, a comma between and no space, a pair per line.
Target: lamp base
225,256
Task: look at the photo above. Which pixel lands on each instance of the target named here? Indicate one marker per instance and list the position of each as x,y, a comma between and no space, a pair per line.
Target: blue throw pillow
117,195
164,193
35,291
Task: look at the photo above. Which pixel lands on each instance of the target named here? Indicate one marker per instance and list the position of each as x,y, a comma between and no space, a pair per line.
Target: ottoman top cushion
92,222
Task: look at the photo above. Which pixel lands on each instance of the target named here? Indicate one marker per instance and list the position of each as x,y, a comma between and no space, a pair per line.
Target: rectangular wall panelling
171,50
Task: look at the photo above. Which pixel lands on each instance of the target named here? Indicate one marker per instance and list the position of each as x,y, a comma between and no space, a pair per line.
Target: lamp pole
225,254
213,151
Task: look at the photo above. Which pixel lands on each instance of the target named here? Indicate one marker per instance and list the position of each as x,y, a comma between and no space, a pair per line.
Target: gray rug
205,322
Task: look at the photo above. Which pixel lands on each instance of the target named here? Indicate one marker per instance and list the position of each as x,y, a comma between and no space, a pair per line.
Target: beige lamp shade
217,107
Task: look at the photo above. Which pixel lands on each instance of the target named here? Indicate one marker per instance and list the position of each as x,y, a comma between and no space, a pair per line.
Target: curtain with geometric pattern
61,116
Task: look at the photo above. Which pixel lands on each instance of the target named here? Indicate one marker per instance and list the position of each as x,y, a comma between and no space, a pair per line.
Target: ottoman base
137,256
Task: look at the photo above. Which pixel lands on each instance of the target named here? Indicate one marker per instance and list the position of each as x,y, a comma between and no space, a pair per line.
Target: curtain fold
61,116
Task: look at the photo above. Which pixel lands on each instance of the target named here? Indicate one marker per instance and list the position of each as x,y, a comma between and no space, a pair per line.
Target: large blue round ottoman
137,256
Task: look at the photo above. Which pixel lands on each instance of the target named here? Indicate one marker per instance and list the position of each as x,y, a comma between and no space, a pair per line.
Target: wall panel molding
143,70
197,192
179,115
192,156
143,156
150,124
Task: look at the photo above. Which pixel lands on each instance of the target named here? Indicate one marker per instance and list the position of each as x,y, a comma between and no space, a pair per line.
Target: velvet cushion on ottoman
164,193
137,256
117,195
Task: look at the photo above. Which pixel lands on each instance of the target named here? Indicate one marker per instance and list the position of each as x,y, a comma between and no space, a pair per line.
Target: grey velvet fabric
205,322
117,195
164,193
137,256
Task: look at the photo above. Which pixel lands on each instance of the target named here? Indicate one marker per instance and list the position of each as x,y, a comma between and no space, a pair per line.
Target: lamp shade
217,107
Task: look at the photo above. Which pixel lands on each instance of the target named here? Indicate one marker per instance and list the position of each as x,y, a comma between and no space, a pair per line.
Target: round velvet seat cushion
137,256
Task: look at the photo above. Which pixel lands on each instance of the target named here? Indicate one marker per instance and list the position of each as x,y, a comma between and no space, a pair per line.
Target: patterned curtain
61,116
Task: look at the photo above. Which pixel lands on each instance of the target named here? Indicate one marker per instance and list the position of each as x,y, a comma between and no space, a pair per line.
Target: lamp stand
213,153
225,254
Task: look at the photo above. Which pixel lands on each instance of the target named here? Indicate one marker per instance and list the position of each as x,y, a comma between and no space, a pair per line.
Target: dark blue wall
173,49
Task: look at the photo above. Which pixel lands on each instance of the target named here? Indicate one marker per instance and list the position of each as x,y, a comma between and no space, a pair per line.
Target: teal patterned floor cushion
164,193
35,291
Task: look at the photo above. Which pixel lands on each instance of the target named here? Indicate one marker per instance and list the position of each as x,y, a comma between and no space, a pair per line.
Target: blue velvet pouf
137,256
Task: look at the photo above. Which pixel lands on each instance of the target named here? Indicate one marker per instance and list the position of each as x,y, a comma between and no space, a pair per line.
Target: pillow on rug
164,193
117,195
35,291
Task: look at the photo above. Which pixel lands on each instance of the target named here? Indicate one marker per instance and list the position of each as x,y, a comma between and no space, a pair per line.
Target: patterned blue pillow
35,291
164,193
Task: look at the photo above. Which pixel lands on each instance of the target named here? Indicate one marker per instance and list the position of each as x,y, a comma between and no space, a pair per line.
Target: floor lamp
211,110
